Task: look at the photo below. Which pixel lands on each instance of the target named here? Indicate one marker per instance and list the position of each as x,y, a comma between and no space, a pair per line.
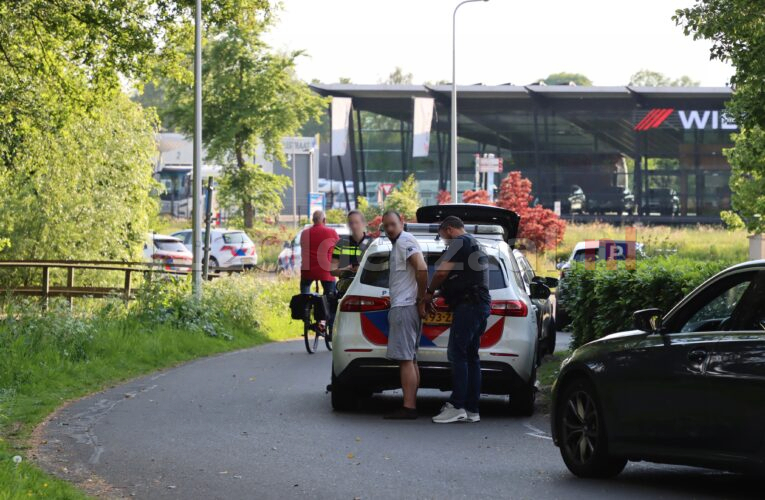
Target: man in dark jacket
462,275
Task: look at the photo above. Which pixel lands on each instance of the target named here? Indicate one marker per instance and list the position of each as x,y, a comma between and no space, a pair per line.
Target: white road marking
535,432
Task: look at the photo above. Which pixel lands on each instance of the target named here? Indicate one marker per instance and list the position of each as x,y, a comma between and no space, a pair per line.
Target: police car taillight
359,303
515,308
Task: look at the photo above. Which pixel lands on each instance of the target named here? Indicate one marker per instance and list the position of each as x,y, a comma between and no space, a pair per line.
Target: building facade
605,151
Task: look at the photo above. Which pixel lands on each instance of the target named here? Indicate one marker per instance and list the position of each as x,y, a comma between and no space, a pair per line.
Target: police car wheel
343,398
523,399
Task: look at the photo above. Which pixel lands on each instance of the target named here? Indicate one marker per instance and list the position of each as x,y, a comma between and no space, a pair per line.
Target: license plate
439,318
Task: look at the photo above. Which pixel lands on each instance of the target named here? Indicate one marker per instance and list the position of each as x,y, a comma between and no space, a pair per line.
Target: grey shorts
404,330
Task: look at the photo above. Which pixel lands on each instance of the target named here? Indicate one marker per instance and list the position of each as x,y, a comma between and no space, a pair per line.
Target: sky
499,41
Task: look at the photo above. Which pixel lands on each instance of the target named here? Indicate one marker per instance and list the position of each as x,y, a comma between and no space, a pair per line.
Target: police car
508,346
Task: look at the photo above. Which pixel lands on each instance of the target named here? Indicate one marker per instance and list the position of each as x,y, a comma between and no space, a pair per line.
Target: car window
236,238
169,246
376,270
712,310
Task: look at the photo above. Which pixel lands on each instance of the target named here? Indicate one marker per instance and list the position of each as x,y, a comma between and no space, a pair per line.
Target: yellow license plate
439,318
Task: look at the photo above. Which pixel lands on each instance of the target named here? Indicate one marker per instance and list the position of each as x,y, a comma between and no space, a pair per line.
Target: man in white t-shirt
407,283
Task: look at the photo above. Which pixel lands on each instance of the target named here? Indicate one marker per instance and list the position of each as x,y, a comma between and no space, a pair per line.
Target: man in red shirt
316,244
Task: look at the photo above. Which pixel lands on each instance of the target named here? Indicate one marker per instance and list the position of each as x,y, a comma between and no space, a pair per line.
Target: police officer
349,250
462,275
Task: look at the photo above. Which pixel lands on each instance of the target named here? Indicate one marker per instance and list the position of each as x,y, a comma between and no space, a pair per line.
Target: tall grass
702,243
46,359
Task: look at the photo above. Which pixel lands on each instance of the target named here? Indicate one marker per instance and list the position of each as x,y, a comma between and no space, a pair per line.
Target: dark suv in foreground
686,387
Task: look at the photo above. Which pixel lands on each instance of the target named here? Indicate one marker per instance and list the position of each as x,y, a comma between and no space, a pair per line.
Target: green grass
704,243
49,359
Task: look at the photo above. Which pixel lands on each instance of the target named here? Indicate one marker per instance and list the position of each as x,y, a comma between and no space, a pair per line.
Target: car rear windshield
376,270
238,237
169,246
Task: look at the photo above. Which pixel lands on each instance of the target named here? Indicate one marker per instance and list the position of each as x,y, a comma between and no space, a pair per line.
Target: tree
541,226
84,190
648,78
251,97
405,199
564,78
479,197
399,77
737,33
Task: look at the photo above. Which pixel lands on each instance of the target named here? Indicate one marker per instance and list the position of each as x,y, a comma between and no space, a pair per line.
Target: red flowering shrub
374,226
444,197
479,197
541,226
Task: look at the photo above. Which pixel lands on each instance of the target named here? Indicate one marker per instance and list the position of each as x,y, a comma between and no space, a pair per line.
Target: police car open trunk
473,214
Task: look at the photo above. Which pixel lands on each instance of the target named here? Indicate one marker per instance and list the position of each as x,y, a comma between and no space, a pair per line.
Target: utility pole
196,265
454,100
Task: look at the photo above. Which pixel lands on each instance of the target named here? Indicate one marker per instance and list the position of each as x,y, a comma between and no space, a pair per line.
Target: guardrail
69,290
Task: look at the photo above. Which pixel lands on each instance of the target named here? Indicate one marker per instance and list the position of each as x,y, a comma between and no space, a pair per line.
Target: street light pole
196,264
453,120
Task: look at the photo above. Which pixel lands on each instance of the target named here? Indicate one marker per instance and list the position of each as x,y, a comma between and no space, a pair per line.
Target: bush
601,301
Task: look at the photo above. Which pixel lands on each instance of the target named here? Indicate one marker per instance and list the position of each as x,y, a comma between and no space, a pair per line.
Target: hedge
601,301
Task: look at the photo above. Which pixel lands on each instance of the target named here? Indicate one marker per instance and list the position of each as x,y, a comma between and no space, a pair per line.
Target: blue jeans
328,287
468,325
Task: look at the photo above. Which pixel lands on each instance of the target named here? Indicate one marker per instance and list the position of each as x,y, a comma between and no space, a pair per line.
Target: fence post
45,286
127,286
69,286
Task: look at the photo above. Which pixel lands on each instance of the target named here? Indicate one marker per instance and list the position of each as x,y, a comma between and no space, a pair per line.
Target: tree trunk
247,209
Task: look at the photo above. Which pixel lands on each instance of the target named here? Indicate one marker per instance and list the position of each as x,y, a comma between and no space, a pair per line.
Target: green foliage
737,33
82,191
58,356
399,77
601,301
335,216
564,78
648,78
250,186
251,96
370,211
405,199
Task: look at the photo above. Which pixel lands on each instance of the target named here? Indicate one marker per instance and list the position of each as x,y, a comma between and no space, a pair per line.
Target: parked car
685,387
290,258
229,248
508,347
609,199
590,250
662,200
167,250
543,306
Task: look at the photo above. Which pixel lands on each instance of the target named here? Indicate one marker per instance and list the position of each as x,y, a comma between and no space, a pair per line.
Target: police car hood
473,214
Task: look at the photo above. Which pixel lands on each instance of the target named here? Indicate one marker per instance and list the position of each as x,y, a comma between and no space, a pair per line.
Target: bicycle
317,325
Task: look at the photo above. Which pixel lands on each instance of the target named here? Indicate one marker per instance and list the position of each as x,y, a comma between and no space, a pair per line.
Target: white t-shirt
403,275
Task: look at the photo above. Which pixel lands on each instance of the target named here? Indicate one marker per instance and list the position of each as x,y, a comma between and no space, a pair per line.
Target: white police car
508,346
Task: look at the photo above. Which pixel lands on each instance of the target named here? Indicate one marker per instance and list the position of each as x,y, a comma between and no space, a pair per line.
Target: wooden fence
69,289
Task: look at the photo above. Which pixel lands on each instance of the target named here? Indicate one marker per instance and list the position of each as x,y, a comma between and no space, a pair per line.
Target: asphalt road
258,424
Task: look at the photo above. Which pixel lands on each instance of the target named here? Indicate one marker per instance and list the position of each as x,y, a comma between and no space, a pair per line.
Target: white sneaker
473,417
450,414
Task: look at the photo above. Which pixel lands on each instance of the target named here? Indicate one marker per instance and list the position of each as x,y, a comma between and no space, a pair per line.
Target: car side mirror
538,291
648,320
286,244
560,265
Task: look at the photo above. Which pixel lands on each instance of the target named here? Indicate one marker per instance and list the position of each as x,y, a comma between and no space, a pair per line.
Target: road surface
258,424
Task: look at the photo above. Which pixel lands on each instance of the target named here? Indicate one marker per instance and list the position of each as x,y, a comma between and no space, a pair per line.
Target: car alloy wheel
580,427
583,439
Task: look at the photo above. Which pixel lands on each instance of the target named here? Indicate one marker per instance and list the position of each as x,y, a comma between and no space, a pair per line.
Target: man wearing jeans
462,275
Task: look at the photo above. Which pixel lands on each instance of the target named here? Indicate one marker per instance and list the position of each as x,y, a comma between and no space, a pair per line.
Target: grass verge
51,358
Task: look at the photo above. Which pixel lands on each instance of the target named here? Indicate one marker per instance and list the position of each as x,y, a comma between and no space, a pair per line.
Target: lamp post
196,195
454,99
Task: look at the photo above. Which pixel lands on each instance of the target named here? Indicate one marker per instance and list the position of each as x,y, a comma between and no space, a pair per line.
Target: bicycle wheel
328,338
310,331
